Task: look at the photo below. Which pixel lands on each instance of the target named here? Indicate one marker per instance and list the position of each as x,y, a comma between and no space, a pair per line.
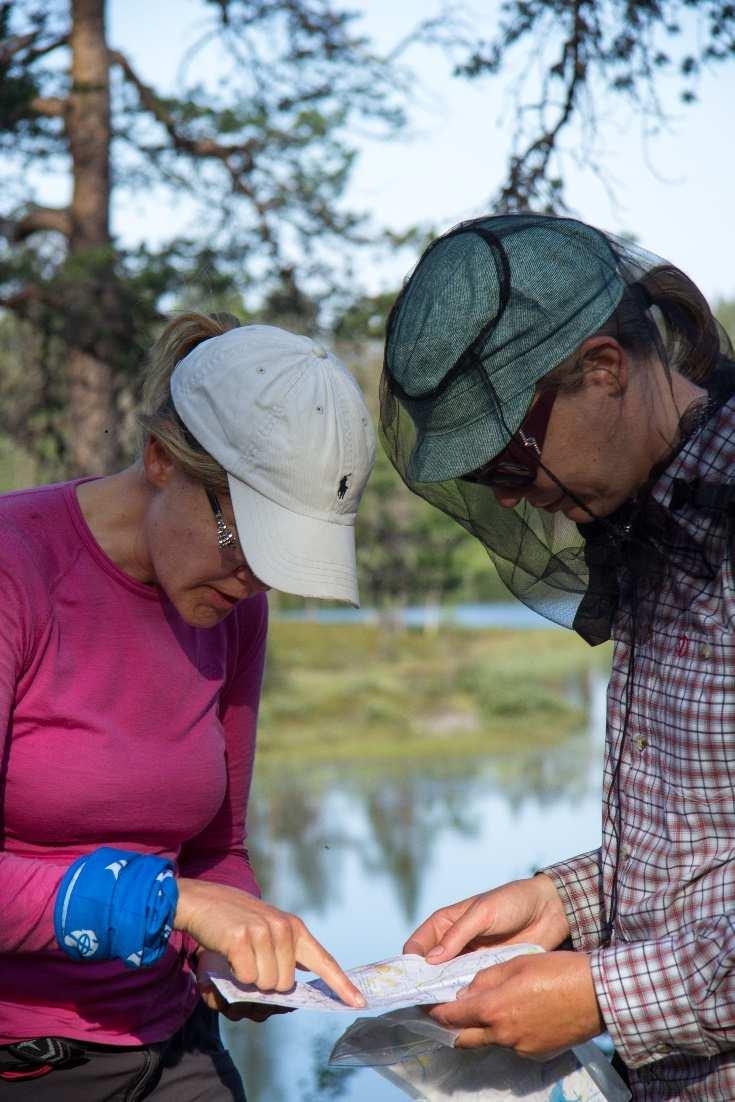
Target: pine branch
52,107
47,48
9,47
17,44
236,157
37,219
529,168
196,147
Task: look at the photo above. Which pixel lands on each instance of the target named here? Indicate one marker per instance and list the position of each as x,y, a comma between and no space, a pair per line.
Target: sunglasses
518,463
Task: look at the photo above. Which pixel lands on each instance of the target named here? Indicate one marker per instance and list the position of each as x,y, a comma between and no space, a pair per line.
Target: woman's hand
524,910
261,944
538,1005
208,961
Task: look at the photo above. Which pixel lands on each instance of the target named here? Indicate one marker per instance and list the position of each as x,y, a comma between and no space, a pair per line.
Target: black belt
38,1056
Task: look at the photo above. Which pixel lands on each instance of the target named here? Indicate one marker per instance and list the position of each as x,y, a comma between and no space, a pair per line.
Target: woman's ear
157,462
605,364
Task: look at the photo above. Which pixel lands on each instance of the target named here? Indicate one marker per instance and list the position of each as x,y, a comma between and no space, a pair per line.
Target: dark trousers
193,1066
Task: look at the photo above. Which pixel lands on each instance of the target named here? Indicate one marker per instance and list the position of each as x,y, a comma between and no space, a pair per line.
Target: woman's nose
252,584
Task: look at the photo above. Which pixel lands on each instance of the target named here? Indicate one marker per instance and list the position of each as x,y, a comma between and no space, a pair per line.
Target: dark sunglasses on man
518,463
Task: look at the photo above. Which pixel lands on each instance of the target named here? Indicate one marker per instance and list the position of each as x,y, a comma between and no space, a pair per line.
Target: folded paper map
407,980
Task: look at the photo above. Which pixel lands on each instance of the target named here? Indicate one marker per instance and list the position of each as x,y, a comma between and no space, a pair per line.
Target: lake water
498,614
364,853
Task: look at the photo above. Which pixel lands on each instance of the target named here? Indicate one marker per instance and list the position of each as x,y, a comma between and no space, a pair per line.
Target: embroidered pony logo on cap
344,485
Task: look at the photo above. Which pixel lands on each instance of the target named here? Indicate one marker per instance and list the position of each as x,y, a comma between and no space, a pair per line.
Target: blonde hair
157,415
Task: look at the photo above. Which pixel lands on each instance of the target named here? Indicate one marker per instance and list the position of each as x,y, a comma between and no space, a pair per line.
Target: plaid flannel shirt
665,975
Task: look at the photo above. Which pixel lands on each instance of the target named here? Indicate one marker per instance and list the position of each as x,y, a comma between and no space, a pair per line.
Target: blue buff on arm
114,904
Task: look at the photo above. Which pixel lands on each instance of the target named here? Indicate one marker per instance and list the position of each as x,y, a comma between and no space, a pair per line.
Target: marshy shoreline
356,691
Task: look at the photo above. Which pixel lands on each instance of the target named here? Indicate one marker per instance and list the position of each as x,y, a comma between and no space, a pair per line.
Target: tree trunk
93,435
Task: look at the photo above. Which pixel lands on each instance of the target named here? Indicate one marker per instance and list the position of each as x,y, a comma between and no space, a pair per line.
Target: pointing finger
315,957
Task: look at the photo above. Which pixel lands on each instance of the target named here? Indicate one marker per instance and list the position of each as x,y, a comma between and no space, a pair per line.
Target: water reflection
365,851
305,820
294,843
407,816
270,1072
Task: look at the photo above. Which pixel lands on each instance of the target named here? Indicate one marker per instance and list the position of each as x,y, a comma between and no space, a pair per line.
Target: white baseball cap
290,427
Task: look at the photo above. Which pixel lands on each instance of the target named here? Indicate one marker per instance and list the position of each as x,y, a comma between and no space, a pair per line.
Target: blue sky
453,157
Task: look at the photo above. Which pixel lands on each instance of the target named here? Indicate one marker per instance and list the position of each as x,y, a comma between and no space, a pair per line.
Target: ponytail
661,314
693,339
158,417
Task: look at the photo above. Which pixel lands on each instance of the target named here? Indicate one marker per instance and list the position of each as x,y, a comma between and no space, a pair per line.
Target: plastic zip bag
418,1056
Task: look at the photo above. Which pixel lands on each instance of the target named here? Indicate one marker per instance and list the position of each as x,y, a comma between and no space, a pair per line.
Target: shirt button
320,351
705,651
627,851
641,743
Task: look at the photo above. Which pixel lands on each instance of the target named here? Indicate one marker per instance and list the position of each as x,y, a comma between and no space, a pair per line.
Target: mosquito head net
483,323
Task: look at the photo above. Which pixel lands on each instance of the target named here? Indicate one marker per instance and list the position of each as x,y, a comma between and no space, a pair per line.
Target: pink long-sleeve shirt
120,725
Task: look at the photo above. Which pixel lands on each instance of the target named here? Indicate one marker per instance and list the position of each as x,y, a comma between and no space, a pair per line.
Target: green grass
360,691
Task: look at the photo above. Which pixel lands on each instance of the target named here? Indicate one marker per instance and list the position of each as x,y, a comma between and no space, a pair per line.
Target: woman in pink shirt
132,641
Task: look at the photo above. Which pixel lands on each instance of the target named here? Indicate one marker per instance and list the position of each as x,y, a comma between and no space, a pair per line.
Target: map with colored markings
406,980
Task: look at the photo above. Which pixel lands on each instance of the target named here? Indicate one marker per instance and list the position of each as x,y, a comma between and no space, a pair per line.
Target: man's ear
606,364
157,462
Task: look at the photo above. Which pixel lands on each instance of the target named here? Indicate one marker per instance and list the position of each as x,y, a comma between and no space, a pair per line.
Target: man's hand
524,910
538,1005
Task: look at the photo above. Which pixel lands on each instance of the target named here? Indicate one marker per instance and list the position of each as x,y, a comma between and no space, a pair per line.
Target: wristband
116,904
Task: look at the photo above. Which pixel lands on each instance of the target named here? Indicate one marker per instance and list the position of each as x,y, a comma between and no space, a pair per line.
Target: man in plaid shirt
637,435
664,977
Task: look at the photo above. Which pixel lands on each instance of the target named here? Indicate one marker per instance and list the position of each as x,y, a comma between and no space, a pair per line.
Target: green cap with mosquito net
491,308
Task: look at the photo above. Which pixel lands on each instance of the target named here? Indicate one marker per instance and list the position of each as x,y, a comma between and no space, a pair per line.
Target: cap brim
295,553
439,457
